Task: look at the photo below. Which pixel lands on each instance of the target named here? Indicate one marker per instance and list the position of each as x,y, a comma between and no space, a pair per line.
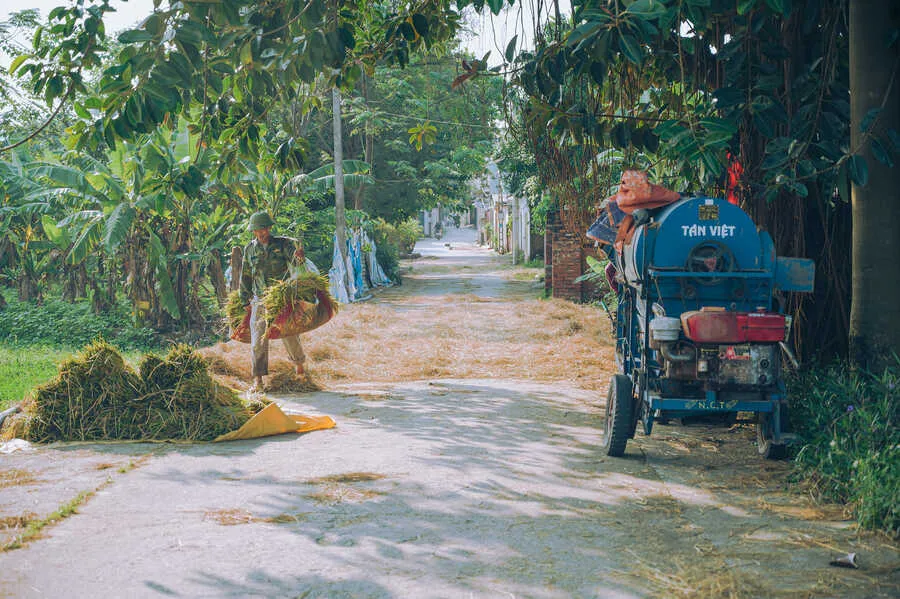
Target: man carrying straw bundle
267,259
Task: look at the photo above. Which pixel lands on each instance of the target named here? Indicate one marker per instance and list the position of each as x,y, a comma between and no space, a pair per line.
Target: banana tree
25,252
322,179
143,201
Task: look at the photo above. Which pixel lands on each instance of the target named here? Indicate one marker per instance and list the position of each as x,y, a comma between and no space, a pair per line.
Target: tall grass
848,421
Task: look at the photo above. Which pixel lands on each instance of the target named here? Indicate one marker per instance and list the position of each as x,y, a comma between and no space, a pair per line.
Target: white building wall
509,218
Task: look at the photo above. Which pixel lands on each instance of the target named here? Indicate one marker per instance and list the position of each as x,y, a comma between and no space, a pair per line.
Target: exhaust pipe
667,350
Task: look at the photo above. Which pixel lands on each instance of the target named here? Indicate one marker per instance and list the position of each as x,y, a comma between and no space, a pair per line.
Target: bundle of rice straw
296,294
235,311
97,396
294,306
298,305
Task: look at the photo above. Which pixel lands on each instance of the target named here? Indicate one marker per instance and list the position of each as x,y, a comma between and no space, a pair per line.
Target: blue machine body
701,254
661,251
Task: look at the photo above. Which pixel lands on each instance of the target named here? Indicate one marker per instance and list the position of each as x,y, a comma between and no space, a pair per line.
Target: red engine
716,325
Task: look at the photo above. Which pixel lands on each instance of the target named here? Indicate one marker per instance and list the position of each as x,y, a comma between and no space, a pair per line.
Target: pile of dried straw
97,396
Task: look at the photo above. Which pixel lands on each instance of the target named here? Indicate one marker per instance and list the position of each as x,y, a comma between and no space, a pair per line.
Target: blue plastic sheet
354,252
347,278
337,276
376,273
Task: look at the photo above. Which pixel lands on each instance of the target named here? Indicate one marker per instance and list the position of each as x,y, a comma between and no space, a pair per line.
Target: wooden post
237,260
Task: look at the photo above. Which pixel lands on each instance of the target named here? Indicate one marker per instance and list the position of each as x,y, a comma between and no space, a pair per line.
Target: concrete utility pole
340,219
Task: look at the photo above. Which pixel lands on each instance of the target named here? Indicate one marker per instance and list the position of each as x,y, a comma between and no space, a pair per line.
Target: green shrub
393,240
318,238
596,275
387,246
847,422
58,323
408,232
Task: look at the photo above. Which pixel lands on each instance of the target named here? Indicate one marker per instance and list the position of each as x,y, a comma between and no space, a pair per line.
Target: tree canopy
686,89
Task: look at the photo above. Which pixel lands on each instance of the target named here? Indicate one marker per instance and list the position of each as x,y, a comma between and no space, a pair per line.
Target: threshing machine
697,329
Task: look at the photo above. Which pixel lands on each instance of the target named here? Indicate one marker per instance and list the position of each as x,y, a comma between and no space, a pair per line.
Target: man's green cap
260,220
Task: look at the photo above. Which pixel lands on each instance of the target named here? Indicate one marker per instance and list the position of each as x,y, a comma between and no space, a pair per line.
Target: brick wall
567,266
564,261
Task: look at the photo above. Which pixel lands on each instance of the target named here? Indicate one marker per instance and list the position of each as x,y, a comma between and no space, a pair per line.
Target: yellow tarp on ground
272,421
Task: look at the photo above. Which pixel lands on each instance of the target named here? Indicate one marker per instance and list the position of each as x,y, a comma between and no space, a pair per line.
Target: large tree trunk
27,282
81,280
99,303
69,284
237,263
111,281
140,280
74,282
875,308
26,288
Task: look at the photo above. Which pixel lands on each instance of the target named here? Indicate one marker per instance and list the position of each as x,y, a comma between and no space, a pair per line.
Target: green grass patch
849,425
22,368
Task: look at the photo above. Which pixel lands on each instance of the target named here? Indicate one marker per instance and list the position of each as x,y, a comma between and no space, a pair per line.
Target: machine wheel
764,434
619,410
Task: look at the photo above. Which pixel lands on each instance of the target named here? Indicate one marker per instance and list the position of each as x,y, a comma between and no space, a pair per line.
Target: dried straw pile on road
440,336
97,396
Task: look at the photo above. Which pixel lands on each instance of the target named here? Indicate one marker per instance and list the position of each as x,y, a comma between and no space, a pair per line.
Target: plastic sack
302,317
376,273
337,275
242,332
273,421
354,254
636,191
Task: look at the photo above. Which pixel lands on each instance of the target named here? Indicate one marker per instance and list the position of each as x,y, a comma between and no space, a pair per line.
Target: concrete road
431,488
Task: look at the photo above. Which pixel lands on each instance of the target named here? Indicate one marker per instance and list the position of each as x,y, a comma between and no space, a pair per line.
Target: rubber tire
619,411
764,445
